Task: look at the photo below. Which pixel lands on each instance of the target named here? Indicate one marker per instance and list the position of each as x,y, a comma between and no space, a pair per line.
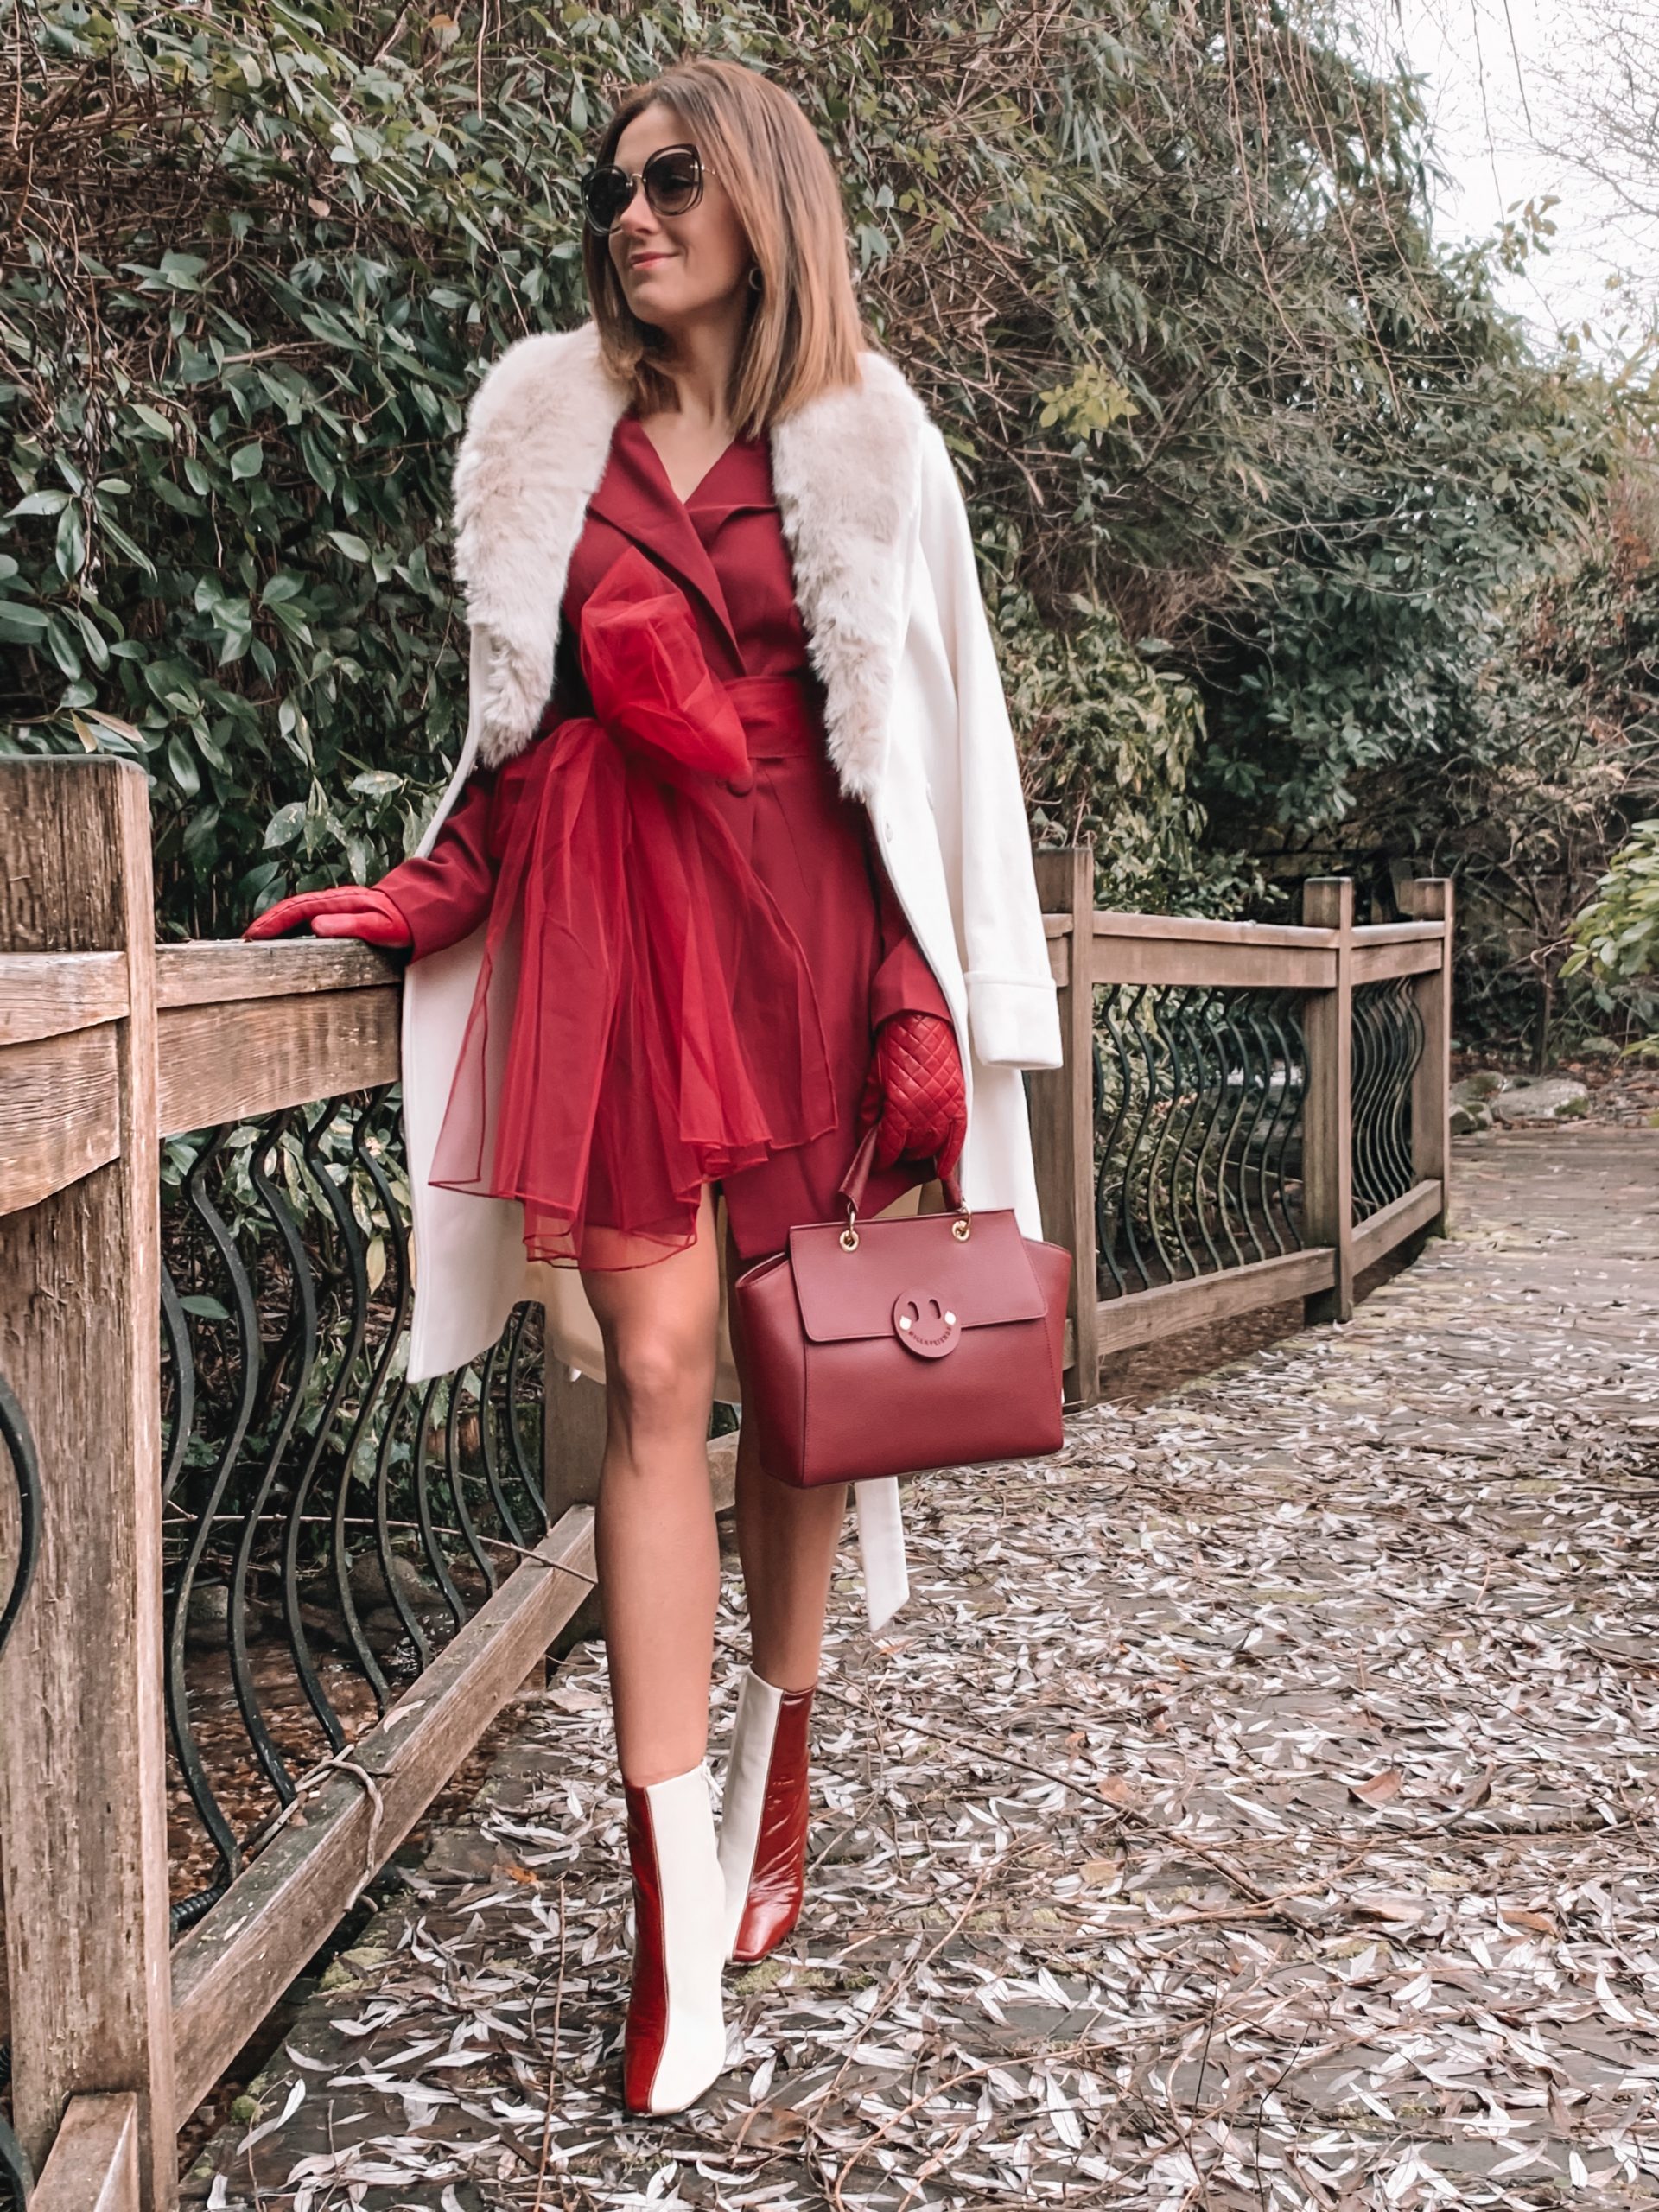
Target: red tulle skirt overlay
607,1074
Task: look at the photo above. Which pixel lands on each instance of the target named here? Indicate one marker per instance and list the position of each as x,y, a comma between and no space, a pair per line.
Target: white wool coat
916,728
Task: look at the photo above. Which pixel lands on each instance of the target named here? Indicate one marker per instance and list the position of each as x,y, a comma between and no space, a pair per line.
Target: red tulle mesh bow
603,1080
648,680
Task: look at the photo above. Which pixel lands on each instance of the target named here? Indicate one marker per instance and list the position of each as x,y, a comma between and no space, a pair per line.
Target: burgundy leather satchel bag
884,1347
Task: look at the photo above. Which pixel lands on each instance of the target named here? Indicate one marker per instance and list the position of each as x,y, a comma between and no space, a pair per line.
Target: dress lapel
635,497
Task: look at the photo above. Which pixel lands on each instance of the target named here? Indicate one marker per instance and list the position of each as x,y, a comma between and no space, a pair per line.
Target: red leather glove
914,1090
349,911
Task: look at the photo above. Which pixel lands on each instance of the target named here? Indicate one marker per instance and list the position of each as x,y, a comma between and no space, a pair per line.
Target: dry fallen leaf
1473,1795
1540,1923
1407,1911
1379,1790
773,2126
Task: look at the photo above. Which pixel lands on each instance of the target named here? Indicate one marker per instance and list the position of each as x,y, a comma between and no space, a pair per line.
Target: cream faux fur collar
846,469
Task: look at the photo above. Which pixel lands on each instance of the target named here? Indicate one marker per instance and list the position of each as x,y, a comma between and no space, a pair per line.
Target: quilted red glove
348,911
914,1090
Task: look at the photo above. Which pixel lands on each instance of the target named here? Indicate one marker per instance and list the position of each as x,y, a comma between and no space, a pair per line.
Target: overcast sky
1497,73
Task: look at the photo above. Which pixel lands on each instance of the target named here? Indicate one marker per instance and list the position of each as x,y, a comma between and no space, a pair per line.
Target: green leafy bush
1252,463
230,410
1617,935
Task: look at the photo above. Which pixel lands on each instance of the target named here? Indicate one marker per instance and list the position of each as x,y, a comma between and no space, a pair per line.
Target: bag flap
845,1295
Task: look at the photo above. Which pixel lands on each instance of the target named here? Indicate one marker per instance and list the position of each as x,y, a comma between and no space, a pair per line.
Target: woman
736,863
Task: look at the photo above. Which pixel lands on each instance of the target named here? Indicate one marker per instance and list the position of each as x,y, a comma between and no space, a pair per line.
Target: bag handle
855,1185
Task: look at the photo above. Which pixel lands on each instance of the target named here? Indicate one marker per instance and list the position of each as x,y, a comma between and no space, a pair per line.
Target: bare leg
786,1540
657,1553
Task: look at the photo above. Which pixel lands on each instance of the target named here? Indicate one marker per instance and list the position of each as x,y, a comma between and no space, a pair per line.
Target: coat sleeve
444,894
903,981
1013,1017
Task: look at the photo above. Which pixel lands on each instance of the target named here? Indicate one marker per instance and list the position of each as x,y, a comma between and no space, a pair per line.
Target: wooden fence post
1433,900
1062,1109
573,1445
1327,1107
573,1412
83,1777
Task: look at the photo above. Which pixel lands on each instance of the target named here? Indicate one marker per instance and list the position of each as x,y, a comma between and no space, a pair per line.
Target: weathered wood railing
280,1415
210,1389
1249,1114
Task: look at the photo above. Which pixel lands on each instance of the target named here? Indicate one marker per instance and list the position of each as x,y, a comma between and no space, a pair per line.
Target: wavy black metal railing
1388,1045
19,1446
1198,1114
329,1525
16,2175
24,1465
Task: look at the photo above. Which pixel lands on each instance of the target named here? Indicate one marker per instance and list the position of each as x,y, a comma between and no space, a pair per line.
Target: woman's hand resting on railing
350,911
914,1090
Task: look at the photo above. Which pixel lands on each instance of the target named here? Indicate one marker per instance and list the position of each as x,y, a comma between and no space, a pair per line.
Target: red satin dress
691,939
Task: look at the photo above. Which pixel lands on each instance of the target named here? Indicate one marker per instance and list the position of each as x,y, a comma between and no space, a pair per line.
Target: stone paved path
1254,1807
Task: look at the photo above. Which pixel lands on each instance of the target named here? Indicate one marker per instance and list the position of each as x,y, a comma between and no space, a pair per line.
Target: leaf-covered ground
1254,1807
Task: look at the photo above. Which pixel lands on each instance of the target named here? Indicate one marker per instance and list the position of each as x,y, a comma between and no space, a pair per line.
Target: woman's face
674,270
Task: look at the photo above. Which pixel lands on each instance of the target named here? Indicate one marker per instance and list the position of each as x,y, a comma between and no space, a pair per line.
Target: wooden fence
212,1441
108,1046
1247,1115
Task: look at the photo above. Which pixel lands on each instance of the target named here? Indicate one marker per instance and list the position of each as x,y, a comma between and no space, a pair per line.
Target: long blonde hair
804,335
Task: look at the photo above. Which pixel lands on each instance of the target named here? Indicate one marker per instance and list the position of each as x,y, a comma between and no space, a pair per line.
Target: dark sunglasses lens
604,193
673,178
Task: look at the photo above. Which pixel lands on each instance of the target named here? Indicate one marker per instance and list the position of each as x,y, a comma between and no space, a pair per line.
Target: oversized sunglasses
672,178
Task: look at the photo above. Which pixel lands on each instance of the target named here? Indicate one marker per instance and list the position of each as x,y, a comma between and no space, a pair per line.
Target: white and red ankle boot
763,1823
674,2043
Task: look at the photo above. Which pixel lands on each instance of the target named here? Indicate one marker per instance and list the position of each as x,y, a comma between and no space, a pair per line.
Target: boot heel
674,2043
763,1826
